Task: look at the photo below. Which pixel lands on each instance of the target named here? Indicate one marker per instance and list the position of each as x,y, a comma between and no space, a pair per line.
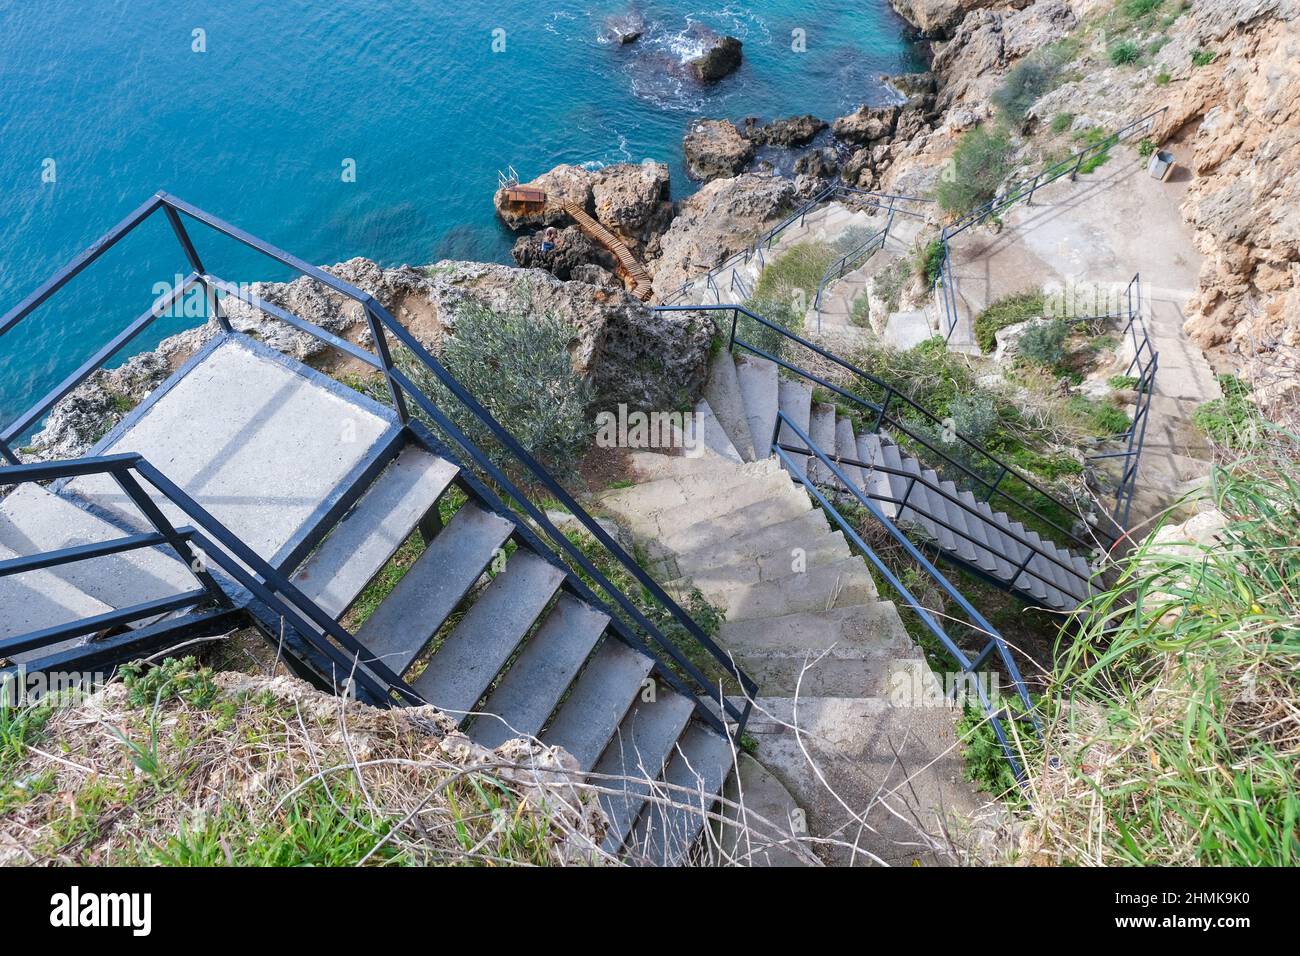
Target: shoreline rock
720,59
715,149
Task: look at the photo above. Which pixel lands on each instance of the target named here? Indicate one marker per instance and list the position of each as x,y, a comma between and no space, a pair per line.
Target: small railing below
994,643
851,260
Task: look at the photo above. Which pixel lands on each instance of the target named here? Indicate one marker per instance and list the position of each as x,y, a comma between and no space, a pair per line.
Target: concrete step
1048,571
796,405
722,392
748,568
985,528
412,614
823,435
700,764
820,588
790,504
679,491
639,752
36,600
878,483
752,544
1025,582
662,524
759,388
35,521
601,696
898,483
706,436
952,515
534,684
370,534
846,447
463,667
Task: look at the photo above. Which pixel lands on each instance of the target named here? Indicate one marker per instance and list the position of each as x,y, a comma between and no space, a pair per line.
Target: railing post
735,317
884,410
192,254
1074,173
993,488
386,357
8,454
154,515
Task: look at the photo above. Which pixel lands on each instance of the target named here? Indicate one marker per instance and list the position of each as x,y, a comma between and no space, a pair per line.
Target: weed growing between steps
190,768
1232,422
1174,718
796,272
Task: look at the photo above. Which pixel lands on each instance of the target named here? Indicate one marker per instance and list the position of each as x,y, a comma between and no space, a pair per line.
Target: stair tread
760,389
639,751
478,647
363,542
700,763
534,684
795,402
878,483
722,392
600,698
846,446
951,514
36,600
986,529
821,429
34,520
410,616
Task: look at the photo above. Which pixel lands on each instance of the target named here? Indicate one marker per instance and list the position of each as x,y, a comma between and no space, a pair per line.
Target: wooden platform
627,262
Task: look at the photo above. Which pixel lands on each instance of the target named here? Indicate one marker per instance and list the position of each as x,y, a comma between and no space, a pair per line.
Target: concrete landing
261,441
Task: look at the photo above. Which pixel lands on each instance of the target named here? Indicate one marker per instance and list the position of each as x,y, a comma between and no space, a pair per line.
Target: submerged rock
715,148
625,28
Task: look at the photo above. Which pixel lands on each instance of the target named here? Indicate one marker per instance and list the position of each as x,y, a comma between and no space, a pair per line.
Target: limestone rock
791,132
721,58
938,18
629,196
632,354
715,148
725,216
562,184
572,250
867,124
1036,26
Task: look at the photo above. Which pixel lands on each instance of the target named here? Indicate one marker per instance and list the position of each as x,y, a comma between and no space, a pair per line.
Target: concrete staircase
487,624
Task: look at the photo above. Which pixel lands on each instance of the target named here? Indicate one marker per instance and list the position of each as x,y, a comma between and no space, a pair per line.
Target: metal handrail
837,269
887,202
1022,189
383,325
936,488
882,416
968,664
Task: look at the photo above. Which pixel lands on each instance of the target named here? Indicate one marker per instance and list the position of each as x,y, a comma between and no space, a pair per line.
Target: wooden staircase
628,263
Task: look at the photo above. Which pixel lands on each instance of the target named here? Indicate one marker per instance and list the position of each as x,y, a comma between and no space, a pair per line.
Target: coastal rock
650,360
818,163
1036,26
562,184
720,59
572,250
789,133
938,18
867,124
625,28
971,64
714,149
629,197
913,84
859,170
725,216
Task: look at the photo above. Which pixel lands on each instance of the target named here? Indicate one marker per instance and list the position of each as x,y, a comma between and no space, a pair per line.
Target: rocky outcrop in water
715,148
625,28
572,250
789,133
563,184
634,201
721,58
725,216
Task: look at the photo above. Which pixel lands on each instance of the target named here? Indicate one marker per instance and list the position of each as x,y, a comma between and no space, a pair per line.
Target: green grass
1163,79
1124,53
1092,138
929,262
1174,703
1062,122
1123,383
861,312
796,272
1202,58
1232,421
1009,310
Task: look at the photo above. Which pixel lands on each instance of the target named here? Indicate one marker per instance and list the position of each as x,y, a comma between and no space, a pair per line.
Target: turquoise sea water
112,99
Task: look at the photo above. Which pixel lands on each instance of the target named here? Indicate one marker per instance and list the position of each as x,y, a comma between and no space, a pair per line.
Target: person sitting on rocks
550,239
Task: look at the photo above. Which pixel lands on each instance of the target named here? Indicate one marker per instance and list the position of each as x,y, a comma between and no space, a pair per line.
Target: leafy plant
517,364
929,261
1232,421
1163,78
173,679
1062,122
1203,58
979,166
1009,310
1024,84
1123,383
1124,53
1044,344
1146,147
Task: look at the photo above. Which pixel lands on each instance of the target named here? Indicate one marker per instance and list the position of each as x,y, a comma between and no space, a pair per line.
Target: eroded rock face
789,133
867,124
650,360
633,200
562,184
720,59
715,148
938,18
724,217
572,249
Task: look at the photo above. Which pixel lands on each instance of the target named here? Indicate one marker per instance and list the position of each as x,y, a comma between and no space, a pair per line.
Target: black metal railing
855,258
884,413
945,285
888,203
999,716
676,667
1145,362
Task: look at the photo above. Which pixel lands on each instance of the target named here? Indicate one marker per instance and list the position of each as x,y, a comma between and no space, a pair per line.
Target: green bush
1062,122
1009,310
1123,383
1232,421
979,166
1125,52
1203,58
781,312
1146,147
516,363
1044,344
1025,83
1163,79
1135,9
929,262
